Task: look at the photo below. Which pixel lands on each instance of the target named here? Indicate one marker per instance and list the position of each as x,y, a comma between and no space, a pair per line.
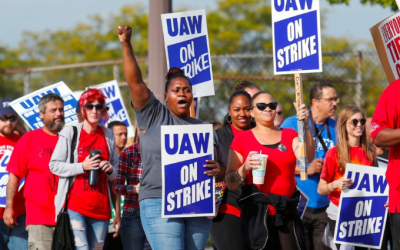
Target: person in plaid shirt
127,183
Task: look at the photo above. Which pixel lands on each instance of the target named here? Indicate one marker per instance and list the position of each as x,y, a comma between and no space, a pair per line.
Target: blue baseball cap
5,107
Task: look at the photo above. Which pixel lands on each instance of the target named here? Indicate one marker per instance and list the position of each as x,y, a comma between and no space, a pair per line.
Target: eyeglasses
262,106
11,118
361,120
332,99
98,107
279,112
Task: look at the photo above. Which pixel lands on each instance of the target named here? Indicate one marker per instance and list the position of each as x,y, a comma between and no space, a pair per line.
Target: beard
52,125
7,131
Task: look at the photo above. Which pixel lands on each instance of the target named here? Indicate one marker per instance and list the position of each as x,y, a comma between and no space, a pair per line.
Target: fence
357,76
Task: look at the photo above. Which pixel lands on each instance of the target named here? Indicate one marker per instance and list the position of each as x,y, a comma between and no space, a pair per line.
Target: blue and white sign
186,190
117,111
28,109
362,215
296,36
5,155
187,47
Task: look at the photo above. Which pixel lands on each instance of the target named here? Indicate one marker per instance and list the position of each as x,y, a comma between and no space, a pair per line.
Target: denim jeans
173,233
88,233
14,238
40,237
132,233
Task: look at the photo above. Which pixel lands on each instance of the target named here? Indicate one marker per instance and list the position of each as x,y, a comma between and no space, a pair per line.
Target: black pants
394,220
332,225
226,232
281,238
314,222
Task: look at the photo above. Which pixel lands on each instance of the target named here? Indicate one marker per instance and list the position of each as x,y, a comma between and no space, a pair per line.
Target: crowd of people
88,178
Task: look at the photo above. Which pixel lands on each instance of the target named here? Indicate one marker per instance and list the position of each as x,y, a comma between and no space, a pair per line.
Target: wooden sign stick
301,128
191,110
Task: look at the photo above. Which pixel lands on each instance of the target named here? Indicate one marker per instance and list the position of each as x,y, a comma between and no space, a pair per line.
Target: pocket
133,214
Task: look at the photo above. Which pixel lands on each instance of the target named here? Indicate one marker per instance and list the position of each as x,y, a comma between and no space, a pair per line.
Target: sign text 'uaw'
296,36
187,47
187,191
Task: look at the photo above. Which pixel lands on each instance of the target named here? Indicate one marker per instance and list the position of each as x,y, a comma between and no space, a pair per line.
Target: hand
315,167
386,204
124,33
9,217
116,223
302,112
343,183
137,187
91,163
251,162
105,166
215,168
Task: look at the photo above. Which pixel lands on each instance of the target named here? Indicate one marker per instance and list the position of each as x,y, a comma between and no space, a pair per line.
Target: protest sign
386,36
28,109
117,111
296,36
186,190
362,216
187,47
5,155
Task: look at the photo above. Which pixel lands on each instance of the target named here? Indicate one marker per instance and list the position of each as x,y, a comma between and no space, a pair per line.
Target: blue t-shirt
310,186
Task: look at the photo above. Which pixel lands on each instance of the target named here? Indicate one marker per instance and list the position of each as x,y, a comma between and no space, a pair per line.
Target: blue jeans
132,233
14,238
173,233
88,233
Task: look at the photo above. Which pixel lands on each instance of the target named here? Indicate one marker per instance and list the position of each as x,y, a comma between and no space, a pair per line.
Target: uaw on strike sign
296,36
186,47
362,215
186,190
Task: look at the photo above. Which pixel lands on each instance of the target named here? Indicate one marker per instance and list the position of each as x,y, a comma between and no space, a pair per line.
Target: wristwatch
239,178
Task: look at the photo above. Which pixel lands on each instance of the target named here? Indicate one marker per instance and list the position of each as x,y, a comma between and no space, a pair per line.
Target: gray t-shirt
150,118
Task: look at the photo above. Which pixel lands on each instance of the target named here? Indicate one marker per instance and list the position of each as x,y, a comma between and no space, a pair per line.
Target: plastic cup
259,174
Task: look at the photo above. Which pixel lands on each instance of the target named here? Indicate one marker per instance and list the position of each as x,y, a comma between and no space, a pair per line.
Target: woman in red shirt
352,147
88,203
282,148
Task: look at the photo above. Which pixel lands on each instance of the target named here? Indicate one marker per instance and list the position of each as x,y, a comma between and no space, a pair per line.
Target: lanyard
317,133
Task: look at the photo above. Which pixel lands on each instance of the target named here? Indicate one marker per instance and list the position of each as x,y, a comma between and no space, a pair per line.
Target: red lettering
396,41
395,50
396,26
389,45
398,69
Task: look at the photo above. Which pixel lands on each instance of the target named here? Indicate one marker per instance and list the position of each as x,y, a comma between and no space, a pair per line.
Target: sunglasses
361,120
98,107
262,106
11,118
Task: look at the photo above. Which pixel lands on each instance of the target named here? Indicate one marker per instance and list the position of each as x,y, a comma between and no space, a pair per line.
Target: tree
383,3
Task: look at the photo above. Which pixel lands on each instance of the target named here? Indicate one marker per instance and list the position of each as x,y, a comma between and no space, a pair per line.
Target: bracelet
238,178
333,189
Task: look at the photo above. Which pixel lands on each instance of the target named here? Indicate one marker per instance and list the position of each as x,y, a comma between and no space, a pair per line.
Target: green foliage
383,3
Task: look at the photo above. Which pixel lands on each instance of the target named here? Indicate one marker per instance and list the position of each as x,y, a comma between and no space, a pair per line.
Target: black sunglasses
99,107
261,106
11,118
361,120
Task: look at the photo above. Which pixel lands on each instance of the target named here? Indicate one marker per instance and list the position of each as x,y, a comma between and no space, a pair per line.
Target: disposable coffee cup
94,174
259,174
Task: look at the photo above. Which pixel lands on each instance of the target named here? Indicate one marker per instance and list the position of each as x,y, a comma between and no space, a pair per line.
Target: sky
16,16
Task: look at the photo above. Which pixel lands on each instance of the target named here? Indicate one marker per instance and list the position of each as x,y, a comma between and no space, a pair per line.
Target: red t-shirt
91,201
6,148
235,131
331,171
30,159
386,115
281,164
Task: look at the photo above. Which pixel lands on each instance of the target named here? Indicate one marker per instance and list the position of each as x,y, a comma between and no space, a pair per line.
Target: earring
230,119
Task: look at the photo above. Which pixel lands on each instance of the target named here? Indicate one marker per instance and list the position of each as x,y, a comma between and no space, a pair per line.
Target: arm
116,199
237,169
12,189
314,168
325,188
138,90
387,137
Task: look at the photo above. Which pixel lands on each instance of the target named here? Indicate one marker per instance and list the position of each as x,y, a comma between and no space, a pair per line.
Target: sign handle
301,128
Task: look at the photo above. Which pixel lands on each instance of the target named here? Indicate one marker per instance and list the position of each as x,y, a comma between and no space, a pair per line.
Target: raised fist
124,33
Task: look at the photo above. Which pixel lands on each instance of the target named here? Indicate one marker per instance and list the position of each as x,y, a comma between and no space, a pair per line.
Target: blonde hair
343,146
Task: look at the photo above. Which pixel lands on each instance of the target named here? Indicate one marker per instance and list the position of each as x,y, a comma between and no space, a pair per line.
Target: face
179,97
80,117
7,127
120,134
252,91
358,129
267,116
53,118
279,116
327,103
239,110
93,115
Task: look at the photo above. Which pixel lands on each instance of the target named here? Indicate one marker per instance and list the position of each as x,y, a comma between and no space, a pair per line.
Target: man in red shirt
30,160
16,237
385,132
